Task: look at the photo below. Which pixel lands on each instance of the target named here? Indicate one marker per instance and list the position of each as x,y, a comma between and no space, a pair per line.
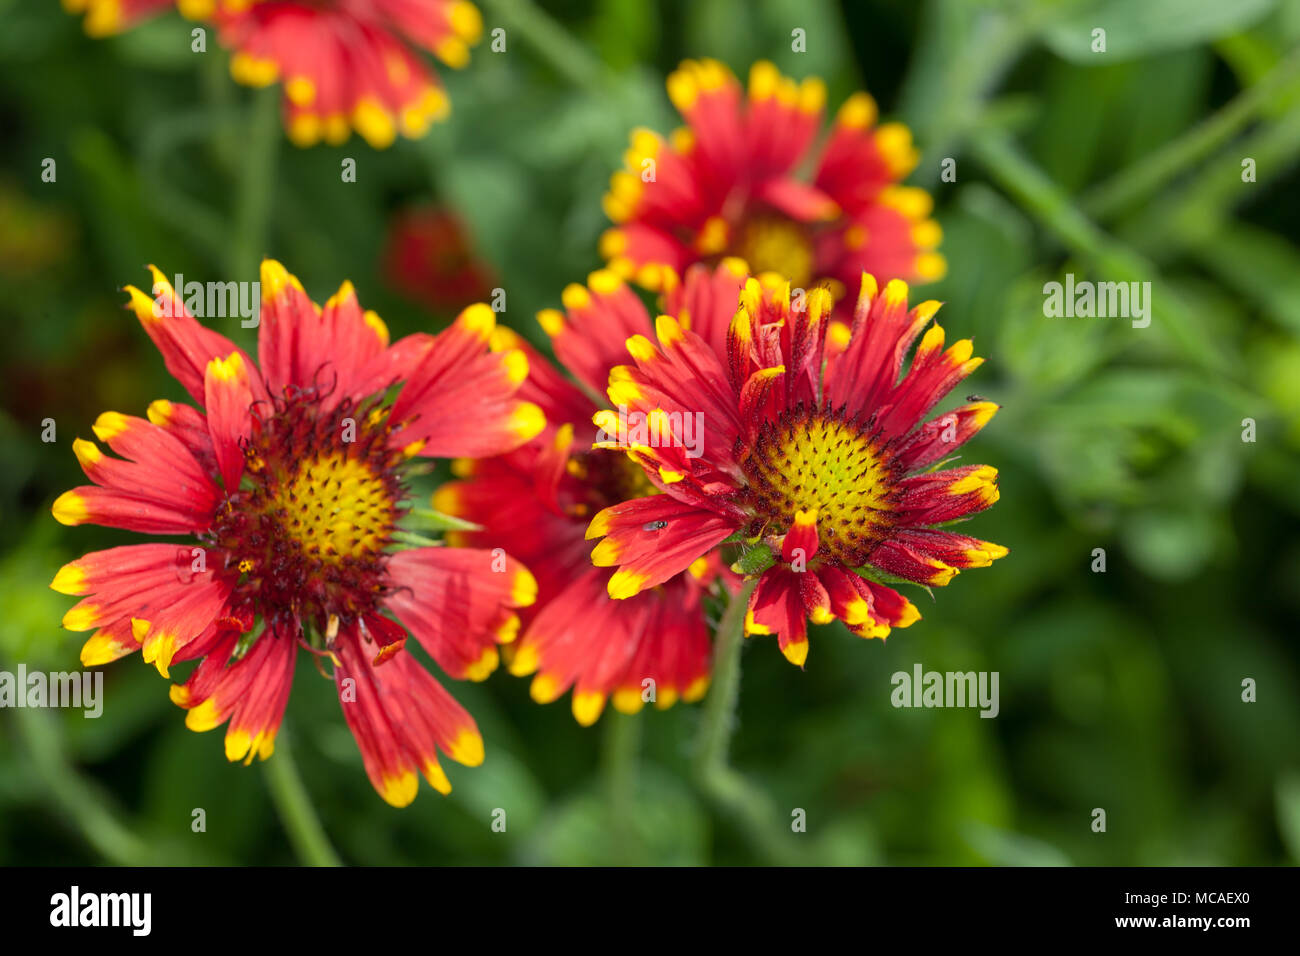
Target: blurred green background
1119,691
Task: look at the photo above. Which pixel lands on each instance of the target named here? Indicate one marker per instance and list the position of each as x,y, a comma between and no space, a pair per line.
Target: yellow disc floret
337,507
815,460
776,244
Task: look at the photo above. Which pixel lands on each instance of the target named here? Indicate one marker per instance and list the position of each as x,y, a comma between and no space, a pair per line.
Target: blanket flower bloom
346,64
106,17
291,483
537,502
727,184
817,461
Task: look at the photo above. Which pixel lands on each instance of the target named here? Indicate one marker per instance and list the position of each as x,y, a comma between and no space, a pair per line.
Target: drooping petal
777,607
401,718
250,691
164,627
166,594
889,609
867,608
459,603
959,551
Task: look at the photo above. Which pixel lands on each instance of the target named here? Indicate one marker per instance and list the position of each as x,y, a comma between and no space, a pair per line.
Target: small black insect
976,398
654,525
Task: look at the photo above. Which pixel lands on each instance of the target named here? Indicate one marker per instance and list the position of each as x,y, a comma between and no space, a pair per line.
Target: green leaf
409,539
431,520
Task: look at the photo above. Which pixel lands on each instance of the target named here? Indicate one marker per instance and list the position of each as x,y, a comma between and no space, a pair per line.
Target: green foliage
1119,690
1154,26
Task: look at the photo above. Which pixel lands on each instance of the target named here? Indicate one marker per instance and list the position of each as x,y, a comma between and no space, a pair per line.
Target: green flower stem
569,58
620,749
295,809
221,95
1139,181
734,795
724,690
256,184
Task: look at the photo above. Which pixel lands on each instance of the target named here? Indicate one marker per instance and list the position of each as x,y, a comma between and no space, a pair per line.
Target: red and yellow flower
107,17
346,64
538,501
290,484
728,184
817,463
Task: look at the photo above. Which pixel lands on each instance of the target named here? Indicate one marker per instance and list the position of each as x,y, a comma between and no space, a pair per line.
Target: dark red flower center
309,525
600,478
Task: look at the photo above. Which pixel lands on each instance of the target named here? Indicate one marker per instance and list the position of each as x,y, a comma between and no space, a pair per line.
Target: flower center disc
602,478
777,244
319,503
336,507
817,460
